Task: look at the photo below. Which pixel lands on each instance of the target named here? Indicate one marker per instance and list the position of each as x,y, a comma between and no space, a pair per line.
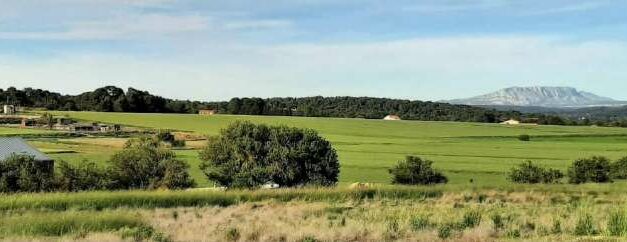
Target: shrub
232,234
585,226
248,155
618,169
497,222
557,226
168,138
145,164
81,177
529,173
140,233
20,173
445,231
419,223
524,137
617,224
165,136
594,169
471,219
416,171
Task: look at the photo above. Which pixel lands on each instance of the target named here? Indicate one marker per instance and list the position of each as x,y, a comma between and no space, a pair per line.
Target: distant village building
9,110
10,146
28,122
92,128
511,122
207,112
392,117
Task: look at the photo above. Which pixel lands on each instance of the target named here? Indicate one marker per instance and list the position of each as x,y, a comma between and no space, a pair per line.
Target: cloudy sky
215,50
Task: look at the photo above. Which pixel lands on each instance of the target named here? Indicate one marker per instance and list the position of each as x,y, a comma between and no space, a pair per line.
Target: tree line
114,99
105,99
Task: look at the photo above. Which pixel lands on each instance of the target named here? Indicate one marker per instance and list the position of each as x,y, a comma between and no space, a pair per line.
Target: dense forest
106,99
114,99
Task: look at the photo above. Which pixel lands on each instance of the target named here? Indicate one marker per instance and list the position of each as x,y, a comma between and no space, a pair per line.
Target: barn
10,146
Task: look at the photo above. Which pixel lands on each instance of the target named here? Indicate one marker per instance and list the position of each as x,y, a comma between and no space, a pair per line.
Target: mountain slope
554,97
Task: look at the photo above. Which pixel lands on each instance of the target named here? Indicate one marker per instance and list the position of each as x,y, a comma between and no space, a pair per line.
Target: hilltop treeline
106,99
114,99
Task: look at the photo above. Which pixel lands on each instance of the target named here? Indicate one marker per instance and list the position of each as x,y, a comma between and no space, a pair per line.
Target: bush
445,231
595,169
84,176
524,137
416,171
20,173
145,164
529,173
585,226
617,224
618,169
471,219
248,155
419,223
168,138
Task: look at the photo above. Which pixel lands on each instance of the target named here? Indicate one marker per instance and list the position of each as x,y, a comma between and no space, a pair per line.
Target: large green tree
248,155
146,164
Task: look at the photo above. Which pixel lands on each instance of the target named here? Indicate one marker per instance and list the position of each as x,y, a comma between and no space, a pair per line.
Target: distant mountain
550,97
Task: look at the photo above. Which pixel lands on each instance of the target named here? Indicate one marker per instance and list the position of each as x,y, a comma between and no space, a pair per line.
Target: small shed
9,109
511,122
207,112
392,117
10,146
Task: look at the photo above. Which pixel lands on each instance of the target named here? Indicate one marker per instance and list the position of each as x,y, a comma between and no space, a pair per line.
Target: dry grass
527,216
457,215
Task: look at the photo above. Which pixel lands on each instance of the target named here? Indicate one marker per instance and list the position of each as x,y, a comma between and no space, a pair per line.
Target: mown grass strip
169,199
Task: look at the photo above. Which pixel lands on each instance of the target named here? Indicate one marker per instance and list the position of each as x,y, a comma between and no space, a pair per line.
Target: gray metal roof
10,146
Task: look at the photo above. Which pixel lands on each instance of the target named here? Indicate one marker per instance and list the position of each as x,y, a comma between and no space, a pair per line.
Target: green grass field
367,148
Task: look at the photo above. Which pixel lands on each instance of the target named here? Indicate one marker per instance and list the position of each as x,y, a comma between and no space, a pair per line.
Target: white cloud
119,28
428,68
257,24
567,8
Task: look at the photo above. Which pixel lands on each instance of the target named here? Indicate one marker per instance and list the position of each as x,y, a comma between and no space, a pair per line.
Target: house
9,109
10,146
511,122
207,112
91,128
392,117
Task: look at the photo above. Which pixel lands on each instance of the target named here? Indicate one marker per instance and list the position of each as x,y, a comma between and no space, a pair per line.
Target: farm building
207,112
511,122
91,128
392,117
17,146
9,109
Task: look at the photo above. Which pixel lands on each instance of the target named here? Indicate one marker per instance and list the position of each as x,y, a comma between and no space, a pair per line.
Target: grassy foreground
439,213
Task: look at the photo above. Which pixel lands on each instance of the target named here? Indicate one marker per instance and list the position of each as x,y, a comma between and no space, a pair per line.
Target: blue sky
215,50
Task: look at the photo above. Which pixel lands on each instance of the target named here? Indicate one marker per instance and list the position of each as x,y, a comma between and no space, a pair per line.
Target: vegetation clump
619,169
22,173
585,226
247,155
524,137
594,169
529,173
145,164
416,171
84,176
